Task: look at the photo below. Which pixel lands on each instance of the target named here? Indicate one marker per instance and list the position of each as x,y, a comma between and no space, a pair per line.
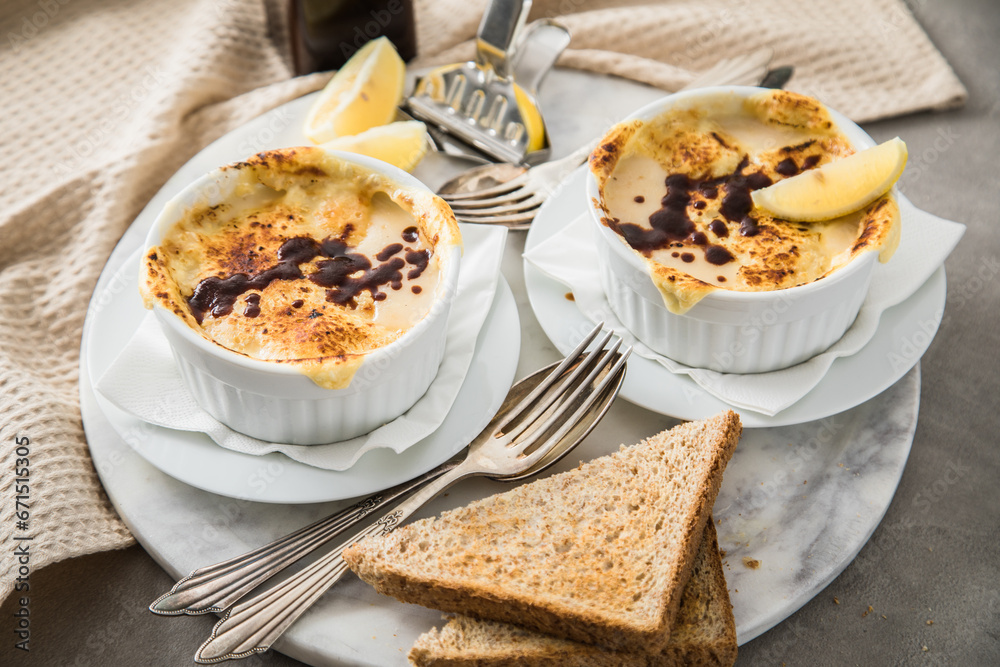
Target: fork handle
252,626
214,588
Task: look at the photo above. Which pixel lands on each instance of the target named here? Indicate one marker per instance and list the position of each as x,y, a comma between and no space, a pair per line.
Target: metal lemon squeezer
489,104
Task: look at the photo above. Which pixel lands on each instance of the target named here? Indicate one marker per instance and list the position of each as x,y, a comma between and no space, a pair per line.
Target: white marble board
800,500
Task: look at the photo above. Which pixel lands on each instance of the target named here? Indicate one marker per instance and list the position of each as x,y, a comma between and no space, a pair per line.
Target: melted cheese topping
676,189
311,261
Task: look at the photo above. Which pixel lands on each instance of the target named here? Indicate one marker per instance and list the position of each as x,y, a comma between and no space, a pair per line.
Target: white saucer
194,459
904,334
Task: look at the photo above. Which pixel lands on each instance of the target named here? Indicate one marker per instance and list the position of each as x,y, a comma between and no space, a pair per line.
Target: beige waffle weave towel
866,58
102,102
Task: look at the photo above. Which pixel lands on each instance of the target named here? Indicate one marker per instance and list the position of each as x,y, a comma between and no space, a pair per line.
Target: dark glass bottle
325,33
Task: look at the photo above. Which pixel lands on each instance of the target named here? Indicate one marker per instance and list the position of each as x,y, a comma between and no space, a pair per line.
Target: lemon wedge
837,188
362,94
533,123
402,144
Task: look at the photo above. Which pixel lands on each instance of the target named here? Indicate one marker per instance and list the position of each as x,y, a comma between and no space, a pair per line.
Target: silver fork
520,439
519,190
215,588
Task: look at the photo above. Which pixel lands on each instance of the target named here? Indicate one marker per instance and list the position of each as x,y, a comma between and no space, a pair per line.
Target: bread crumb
805,481
868,611
722,552
924,648
751,563
835,600
883,616
930,622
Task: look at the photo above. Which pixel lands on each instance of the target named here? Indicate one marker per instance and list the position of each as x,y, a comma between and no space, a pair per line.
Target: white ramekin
275,402
730,331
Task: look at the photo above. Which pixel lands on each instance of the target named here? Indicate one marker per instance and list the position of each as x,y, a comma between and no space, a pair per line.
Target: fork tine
530,204
519,221
526,419
510,197
542,418
498,189
539,449
551,378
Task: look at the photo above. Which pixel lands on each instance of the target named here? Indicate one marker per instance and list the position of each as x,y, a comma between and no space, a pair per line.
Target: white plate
904,334
195,459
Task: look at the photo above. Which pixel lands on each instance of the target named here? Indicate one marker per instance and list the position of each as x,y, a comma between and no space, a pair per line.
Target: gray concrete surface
924,591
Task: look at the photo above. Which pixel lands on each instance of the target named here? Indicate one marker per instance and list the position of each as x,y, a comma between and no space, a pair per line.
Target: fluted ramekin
730,331
276,402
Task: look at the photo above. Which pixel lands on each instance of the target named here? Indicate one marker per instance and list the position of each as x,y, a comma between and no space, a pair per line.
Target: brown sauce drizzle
708,189
737,203
253,305
718,255
719,228
671,223
787,167
419,260
389,251
218,295
749,227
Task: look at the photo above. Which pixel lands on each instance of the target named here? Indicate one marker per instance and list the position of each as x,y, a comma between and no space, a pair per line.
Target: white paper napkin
570,256
144,380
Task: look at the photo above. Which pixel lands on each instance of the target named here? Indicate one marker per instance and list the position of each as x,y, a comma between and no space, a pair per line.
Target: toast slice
599,554
704,634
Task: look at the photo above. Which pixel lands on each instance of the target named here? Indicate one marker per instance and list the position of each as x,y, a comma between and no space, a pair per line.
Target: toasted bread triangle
599,554
704,633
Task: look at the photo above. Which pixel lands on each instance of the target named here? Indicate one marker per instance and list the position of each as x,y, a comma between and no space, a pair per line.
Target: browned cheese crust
725,155
305,194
